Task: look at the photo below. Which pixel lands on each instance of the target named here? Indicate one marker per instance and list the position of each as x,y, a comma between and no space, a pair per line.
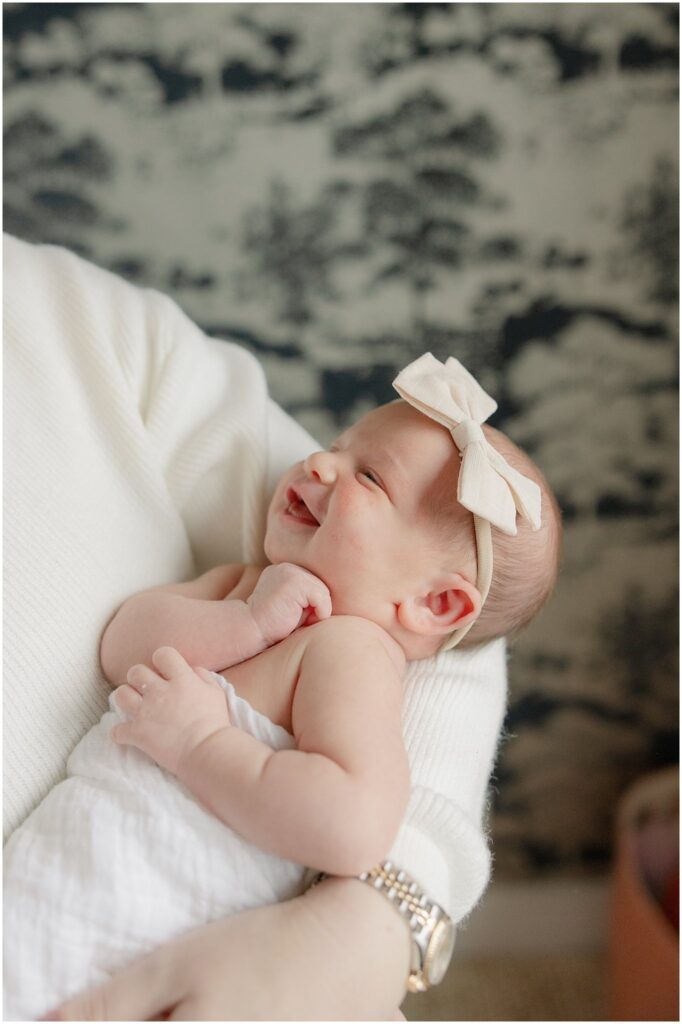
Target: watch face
439,953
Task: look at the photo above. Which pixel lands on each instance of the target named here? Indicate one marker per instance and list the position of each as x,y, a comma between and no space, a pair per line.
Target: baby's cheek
345,544
351,526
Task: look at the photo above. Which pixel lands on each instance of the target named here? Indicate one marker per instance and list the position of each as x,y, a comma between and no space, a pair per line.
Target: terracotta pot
643,971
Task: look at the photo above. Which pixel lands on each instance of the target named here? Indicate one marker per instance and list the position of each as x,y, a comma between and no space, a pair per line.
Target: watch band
433,932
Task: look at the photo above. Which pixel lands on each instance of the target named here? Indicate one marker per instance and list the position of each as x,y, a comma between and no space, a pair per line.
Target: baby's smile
298,509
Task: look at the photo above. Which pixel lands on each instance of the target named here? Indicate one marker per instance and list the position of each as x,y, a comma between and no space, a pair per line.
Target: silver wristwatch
433,933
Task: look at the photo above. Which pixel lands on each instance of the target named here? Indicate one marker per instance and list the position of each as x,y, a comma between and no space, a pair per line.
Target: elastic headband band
492,490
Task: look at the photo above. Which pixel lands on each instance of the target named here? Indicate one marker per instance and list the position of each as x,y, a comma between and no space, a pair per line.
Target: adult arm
339,952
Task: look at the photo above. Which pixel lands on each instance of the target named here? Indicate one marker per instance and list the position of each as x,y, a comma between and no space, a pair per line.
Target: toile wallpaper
340,187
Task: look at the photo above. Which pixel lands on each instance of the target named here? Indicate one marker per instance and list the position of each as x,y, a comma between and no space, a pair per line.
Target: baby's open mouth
298,509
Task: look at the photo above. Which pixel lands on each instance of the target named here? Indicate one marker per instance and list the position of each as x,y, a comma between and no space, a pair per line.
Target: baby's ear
452,602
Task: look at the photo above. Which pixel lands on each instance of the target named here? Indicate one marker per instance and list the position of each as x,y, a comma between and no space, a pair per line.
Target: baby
373,563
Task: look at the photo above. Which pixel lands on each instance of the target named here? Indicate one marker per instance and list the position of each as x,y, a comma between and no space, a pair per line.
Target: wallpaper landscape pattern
341,187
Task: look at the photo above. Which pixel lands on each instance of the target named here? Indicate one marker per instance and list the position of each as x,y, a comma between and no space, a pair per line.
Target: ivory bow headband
488,486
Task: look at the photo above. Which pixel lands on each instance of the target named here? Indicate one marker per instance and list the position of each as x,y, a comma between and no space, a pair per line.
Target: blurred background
341,187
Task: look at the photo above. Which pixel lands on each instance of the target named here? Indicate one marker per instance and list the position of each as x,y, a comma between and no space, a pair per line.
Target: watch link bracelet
433,933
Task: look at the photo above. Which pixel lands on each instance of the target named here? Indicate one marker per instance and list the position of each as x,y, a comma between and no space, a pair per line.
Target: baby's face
359,516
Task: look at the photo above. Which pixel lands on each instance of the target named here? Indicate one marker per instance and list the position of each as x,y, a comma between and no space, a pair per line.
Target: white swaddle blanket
118,859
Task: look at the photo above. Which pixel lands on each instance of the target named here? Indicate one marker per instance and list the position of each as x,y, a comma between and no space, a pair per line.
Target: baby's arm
208,629
335,802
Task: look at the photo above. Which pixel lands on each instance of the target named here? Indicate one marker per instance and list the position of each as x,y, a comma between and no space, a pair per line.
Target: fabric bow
487,486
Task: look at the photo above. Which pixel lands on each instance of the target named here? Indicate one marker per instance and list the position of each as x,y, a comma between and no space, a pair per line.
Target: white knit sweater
138,452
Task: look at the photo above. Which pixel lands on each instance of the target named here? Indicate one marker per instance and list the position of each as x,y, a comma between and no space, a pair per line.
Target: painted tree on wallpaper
291,252
414,215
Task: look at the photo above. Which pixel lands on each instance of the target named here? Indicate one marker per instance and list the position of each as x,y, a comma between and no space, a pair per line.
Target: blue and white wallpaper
340,187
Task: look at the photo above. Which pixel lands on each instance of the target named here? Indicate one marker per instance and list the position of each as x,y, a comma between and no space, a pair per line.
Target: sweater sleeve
452,716
136,455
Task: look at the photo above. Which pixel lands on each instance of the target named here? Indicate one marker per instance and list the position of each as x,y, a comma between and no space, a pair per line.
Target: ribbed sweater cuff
445,851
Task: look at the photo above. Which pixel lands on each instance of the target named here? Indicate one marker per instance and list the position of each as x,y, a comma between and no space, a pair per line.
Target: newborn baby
217,796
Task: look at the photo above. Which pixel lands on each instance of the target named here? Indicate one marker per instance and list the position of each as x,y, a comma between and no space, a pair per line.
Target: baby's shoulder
342,634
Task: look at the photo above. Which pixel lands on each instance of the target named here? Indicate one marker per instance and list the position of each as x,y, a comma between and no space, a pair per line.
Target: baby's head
525,566
376,517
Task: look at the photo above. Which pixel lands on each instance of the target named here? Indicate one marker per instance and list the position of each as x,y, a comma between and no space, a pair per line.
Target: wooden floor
501,988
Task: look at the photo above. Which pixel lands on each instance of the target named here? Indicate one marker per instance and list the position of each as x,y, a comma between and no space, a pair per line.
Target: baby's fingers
168,661
321,602
319,607
207,676
122,733
139,677
128,699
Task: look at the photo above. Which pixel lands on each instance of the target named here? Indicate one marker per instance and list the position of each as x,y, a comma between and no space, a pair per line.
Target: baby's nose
321,466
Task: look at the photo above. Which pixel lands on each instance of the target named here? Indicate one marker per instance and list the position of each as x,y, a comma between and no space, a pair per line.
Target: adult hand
339,952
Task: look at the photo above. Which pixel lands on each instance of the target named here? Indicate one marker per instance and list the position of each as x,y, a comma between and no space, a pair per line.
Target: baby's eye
371,476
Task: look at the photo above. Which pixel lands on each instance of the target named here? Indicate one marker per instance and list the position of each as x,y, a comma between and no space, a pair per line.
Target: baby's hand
170,710
285,598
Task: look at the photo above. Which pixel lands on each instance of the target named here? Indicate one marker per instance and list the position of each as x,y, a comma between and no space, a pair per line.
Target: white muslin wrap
118,859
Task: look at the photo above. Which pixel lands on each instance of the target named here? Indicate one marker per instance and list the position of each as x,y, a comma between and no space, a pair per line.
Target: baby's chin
279,548
269,549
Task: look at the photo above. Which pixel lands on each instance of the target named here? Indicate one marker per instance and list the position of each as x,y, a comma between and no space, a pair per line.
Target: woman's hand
339,952
171,709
